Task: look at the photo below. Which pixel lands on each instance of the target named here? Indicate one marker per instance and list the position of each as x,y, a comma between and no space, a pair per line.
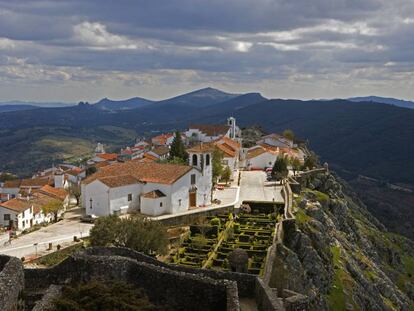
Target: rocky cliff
339,255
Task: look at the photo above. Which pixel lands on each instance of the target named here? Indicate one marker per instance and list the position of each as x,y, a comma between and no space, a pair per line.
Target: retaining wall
11,282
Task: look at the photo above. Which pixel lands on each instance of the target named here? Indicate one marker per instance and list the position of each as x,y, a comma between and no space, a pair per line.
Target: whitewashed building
260,158
149,187
276,140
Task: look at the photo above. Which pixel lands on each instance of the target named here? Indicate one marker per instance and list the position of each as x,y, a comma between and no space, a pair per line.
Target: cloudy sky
85,50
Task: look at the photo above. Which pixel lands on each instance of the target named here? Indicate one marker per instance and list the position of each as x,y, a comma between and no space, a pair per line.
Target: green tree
138,233
52,207
227,174
7,177
91,170
75,190
296,165
217,166
177,149
311,161
289,134
280,170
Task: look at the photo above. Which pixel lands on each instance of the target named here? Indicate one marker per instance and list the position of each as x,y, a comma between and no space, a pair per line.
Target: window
6,216
179,202
207,160
193,179
160,204
129,197
195,160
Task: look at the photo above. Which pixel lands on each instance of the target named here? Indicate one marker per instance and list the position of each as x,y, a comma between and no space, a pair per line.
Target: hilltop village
145,178
210,218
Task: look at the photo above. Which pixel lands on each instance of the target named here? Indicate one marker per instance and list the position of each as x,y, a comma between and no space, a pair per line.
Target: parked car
89,218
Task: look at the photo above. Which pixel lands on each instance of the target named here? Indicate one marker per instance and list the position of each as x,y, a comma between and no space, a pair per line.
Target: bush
215,222
96,295
137,233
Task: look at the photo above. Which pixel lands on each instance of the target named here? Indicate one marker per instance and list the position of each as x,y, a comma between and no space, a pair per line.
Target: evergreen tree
280,169
177,149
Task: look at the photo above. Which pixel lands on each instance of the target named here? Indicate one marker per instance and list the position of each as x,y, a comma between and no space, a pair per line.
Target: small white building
149,187
10,190
259,158
231,151
206,132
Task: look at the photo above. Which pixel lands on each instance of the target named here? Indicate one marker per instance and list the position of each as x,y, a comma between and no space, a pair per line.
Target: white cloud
96,36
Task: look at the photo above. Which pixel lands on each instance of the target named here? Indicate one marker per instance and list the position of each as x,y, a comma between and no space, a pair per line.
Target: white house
160,152
206,132
16,213
149,187
261,158
163,139
231,151
10,190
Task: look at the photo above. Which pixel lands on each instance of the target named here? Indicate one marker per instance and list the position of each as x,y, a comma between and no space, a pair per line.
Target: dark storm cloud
242,42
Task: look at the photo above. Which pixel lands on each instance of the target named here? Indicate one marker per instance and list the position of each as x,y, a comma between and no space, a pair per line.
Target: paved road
254,187
57,233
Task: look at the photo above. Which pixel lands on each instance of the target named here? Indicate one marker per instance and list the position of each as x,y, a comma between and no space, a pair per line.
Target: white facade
22,220
277,141
262,161
101,200
195,135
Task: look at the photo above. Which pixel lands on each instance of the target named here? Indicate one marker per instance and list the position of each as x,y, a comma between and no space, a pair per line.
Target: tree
289,134
295,165
7,177
52,207
75,190
311,161
91,170
177,149
217,166
280,170
227,174
138,233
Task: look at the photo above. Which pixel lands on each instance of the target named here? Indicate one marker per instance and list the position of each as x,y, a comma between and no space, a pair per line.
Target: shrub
215,222
137,233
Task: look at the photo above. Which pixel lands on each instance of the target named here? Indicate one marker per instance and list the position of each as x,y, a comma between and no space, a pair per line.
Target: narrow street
58,233
254,187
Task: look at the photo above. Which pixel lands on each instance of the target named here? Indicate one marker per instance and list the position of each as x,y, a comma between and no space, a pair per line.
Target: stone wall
11,282
176,289
245,282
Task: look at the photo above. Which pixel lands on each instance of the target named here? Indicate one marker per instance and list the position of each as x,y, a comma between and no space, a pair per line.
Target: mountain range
355,138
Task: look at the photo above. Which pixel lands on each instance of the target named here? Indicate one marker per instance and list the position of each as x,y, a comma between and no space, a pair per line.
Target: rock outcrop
340,256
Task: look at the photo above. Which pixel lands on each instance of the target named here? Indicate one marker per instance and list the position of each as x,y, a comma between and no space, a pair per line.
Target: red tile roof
17,205
156,194
203,147
151,172
161,139
107,156
12,183
57,193
35,182
227,150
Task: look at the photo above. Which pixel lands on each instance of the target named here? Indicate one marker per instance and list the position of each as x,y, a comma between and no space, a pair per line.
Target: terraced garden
210,242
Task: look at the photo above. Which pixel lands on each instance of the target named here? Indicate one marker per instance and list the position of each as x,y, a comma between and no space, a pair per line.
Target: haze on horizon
85,50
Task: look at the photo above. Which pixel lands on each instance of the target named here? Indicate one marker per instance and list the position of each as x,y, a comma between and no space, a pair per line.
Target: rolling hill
355,138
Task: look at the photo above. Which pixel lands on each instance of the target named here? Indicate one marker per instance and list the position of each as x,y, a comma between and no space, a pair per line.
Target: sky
77,50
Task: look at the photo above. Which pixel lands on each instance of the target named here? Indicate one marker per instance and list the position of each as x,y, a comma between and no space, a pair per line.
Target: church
150,188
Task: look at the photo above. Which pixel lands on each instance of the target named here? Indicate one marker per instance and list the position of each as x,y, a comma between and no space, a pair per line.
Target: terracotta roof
156,194
161,150
58,193
150,157
107,156
151,172
17,205
232,143
255,152
270,148
162,139
227,150
102,164
75,171
203,147
118,181
12,183
35,182
211,129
